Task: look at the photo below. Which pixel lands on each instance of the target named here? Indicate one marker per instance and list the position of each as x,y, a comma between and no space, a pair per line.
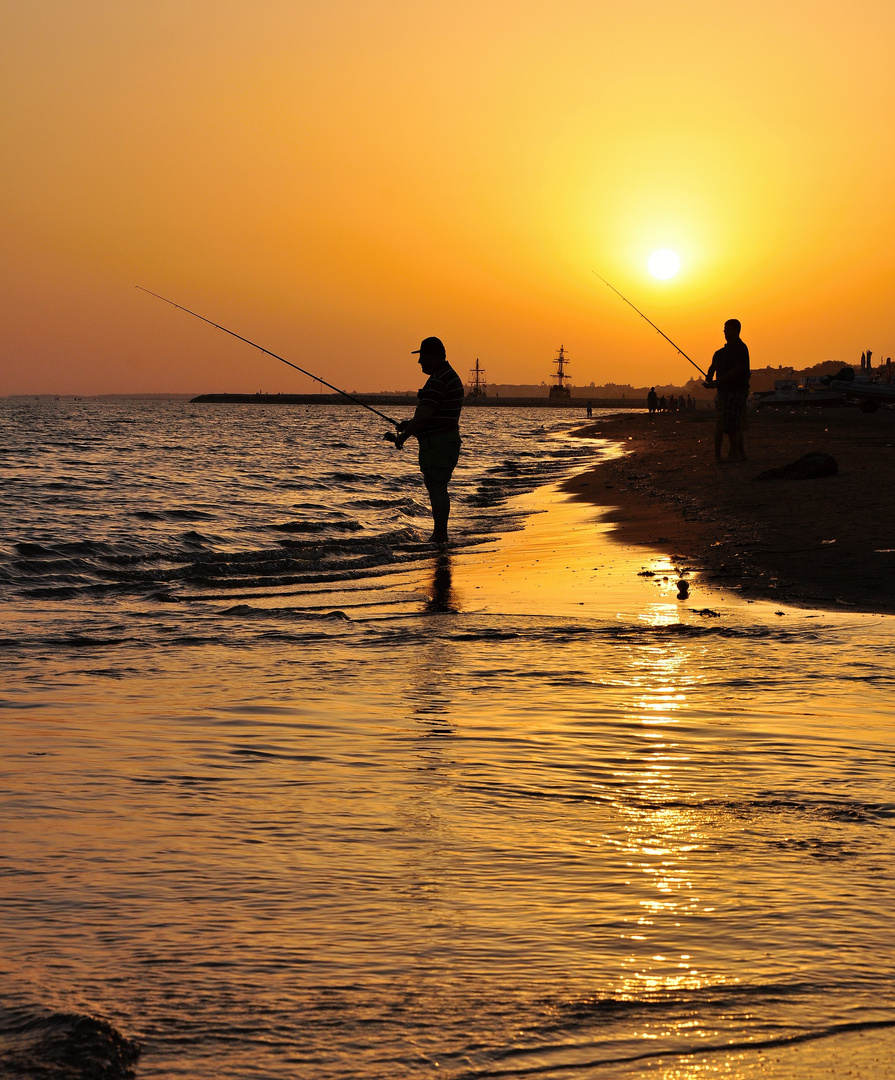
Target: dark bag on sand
810,467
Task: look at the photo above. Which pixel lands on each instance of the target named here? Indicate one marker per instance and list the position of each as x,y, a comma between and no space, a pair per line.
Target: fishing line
653,325
310,374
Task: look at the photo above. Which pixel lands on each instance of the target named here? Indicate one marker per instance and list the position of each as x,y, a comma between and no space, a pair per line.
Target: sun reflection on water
663,830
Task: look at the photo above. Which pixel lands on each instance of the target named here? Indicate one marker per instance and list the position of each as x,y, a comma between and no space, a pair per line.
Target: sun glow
663,263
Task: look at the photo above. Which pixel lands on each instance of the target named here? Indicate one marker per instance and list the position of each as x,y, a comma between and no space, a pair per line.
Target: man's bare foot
435,539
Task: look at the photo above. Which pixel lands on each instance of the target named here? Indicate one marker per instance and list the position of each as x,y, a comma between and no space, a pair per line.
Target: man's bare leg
441,509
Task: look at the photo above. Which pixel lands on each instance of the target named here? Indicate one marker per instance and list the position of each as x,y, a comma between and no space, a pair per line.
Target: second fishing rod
653,325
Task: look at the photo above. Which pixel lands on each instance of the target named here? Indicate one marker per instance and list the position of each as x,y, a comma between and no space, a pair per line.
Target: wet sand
827,542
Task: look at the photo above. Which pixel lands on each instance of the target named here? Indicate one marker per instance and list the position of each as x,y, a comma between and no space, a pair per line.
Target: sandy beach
827,542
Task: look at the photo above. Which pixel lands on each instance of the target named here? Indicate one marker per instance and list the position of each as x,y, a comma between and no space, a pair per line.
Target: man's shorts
731,406
439,454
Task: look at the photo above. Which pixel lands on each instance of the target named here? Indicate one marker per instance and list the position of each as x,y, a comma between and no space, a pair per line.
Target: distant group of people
668,404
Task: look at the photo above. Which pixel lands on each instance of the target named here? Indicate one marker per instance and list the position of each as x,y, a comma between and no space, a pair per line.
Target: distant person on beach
436,425
662,403
729,371
652,400
590,409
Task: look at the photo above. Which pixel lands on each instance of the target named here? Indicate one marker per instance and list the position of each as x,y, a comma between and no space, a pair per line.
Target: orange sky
338,180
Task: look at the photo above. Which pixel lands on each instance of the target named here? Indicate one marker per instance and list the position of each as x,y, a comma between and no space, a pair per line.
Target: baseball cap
431,345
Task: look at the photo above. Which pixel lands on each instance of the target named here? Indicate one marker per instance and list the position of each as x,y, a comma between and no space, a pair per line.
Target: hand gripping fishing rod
653,325
310,374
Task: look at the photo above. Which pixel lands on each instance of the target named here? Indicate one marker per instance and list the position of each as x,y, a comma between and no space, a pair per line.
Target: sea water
286,792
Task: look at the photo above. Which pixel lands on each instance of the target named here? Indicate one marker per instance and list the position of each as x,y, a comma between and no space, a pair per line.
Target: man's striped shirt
444,391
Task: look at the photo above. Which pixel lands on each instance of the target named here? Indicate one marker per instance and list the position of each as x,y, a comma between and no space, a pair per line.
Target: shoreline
823,543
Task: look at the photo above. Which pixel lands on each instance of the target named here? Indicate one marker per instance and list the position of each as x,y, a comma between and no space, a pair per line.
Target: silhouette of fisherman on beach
436,425
729,372
652,400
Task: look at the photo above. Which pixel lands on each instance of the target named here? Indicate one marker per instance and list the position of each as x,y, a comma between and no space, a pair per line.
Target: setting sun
663,263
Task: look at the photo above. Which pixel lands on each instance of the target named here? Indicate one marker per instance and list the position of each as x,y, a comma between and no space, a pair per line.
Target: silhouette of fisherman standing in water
730,368
436,424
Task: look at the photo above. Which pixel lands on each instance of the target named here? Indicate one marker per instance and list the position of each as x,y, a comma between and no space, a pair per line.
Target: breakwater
410,399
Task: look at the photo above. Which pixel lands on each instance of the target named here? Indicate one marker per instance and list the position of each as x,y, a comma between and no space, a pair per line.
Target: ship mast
477,384
560,390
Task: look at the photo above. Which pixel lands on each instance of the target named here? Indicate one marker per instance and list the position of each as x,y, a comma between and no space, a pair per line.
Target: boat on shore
868,394
789,393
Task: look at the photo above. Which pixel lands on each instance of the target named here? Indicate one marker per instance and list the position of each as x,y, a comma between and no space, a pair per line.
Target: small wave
403,503
823,850
172,515
318,526
724,996
665,1055
60,592
729,1020
84,547
349,478
819,811
344,548
40,555
147,556
57,567
32,551
109,673
193,537
247,611
536,629
341,544
186,515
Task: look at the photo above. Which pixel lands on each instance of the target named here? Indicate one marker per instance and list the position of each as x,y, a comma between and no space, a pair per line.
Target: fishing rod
310,374
653,325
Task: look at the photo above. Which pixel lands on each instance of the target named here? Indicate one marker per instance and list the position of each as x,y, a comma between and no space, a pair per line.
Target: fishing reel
392,436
